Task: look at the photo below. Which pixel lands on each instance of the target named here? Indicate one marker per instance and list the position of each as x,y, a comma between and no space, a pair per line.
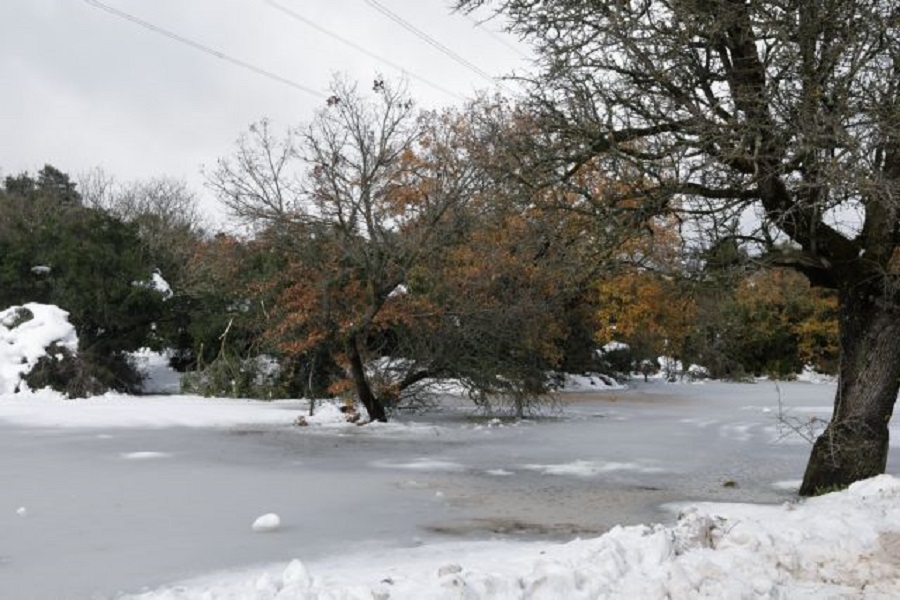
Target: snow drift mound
843,545
25,334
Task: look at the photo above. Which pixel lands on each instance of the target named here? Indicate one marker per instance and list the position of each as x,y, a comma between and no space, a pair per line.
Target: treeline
391,248
747,323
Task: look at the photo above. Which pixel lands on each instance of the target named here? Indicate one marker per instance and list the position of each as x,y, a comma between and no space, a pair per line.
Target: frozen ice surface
99,524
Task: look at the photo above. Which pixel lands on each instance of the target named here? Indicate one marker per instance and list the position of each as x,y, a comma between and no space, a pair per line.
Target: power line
197,46
497,38
428,39
357,47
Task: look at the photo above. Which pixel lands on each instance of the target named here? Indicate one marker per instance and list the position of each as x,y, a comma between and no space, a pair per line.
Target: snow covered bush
235,377
55,250
26,334
63,370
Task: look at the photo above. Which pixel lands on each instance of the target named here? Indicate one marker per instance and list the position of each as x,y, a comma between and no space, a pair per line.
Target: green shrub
79,376
97,265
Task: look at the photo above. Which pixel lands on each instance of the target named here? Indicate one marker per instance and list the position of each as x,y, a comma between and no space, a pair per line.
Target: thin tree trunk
309,385
854,446
373,405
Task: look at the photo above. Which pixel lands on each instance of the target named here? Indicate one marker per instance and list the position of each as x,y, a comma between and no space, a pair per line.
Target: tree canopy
55,250
787,111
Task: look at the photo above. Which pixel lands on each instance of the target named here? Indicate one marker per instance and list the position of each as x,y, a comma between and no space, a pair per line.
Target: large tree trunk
854,446
373,405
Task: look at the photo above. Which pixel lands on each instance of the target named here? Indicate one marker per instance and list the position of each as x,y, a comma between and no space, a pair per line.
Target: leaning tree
782,114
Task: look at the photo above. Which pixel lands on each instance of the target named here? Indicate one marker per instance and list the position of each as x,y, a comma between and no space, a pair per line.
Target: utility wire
310,23
428,39
497,37
197,46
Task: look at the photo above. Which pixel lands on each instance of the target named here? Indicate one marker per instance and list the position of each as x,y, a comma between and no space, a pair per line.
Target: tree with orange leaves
402,251
511,295
376,191
646,302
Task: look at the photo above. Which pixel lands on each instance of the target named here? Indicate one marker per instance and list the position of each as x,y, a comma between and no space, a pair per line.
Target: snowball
22,511
267,522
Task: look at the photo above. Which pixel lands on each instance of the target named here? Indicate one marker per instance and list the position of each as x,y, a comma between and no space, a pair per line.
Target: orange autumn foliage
645,303
646,310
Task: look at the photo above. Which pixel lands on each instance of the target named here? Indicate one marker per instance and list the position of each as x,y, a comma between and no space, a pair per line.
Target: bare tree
357,198
164,209
261,182
169,199
789,110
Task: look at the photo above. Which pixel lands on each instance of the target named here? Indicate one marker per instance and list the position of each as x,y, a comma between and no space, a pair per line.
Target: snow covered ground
119,497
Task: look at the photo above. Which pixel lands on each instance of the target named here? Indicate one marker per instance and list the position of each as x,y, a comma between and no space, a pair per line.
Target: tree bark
854,446
374,406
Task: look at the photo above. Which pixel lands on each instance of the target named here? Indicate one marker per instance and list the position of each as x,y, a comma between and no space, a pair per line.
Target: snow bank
810,375
23,342
840,545
326,414
329,419
50,409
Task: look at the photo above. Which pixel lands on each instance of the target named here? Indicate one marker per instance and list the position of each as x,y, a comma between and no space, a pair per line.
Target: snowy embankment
843,545
49,409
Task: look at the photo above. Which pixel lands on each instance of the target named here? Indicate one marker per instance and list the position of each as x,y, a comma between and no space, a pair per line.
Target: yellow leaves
645,308
781,301
641,305
818,341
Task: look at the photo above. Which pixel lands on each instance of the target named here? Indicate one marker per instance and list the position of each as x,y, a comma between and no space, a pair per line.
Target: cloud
87,89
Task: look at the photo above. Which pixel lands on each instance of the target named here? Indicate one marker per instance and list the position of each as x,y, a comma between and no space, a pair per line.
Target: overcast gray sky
83,88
